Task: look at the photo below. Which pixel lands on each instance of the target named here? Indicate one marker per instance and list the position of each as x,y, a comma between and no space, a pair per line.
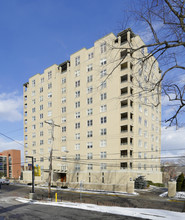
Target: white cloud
173,142
11,106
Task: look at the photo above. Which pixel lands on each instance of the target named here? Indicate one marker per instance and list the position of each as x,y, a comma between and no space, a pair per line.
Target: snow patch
154,214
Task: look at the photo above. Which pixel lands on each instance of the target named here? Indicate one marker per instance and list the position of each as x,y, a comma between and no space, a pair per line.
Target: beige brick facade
109,130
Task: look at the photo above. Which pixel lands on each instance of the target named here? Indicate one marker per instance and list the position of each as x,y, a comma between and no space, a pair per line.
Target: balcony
124,78
124,141
124,103
124,128
124,91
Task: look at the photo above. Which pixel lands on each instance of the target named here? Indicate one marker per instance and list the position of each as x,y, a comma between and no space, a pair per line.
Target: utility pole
33,177
52,124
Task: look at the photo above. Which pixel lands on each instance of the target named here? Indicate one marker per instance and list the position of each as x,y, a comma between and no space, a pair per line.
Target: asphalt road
11,209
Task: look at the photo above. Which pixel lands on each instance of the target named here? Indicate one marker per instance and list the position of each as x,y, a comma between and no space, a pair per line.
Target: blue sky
38,33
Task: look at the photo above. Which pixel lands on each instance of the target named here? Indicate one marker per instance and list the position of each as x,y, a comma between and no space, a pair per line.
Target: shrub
154,184
180,180
140,183
183,185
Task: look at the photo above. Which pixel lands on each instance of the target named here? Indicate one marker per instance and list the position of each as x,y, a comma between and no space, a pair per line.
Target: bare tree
165,25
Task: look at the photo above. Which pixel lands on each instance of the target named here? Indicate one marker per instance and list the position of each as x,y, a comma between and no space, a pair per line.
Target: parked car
4,181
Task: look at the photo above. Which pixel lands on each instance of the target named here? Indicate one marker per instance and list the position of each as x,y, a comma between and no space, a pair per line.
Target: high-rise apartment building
109,123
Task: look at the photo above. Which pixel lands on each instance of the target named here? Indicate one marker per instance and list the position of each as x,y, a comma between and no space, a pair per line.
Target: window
41,125
41,98
33,127
103,47
41,107
103,61
33,102
89,111
49,74
42,80
139,120
89,145
63,138
89,156
140,108
33,110
77,114
103,73
64,129
103,108
77,125
145,123
63,80
139,166
77,60
33,83
89,100
140,131
49,85
145,134
77,146
77,136
77,157
103,120
89,67
49,104
49,113
33,151
90,78
139,143
103,143
41,150
153,117
89,123
103,166
63,120
63,109
63,90
89,89
123,165
90,166
146,112
103,96
145,145
139,154
77,83
89,134
41,142
103,85
63,100
103,155
77,94
77,104
103,131
90,55
50,95
41,116
77,166
49,141
77,73
152,137
34,135
33,143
